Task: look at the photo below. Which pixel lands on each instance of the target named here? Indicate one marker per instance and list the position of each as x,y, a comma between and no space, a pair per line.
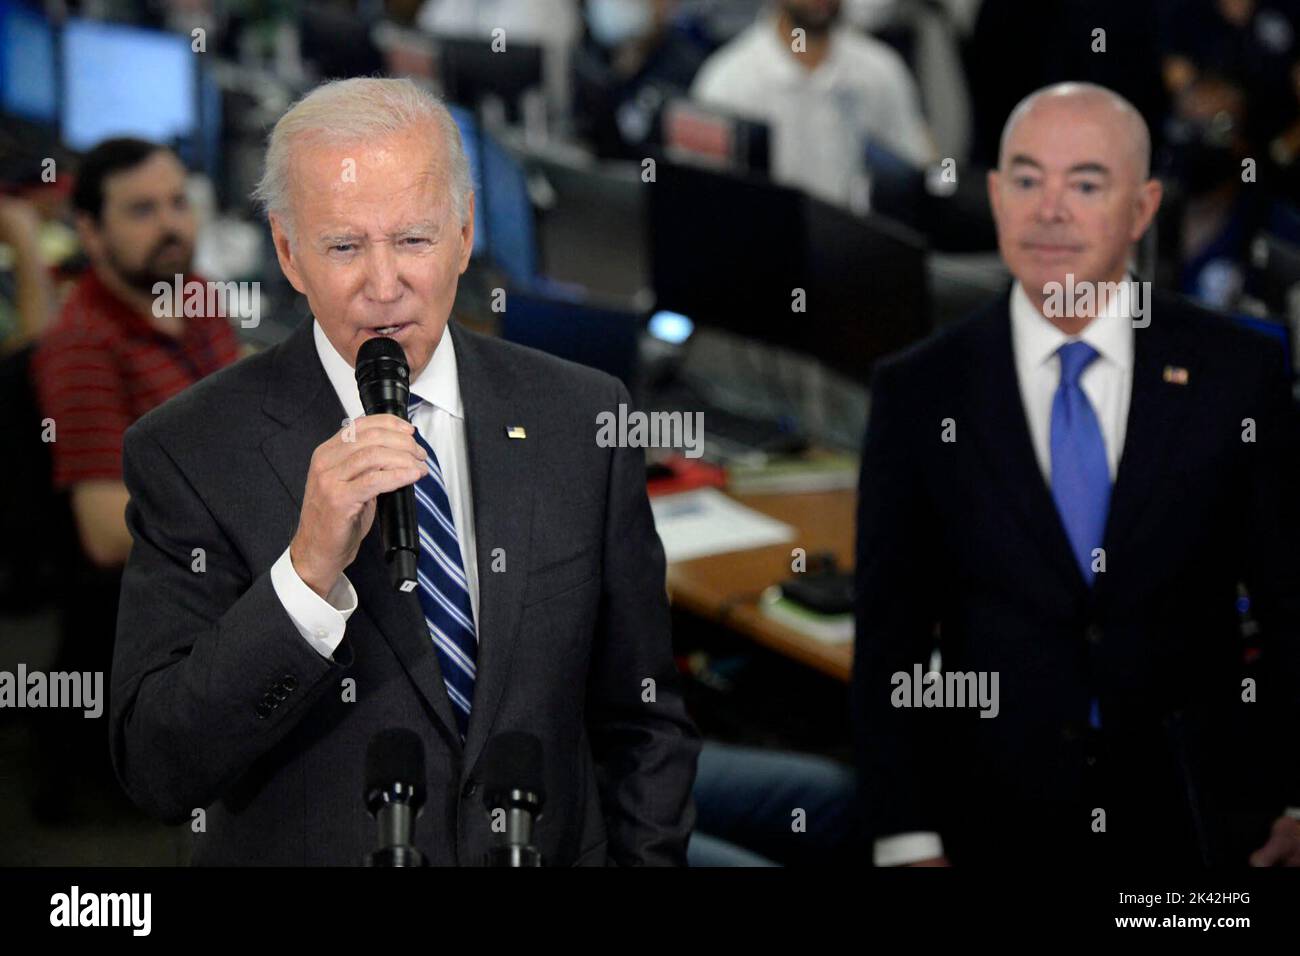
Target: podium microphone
512,785
383,379
394,795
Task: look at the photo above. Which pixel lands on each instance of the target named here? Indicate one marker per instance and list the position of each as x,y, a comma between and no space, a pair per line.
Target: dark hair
109,157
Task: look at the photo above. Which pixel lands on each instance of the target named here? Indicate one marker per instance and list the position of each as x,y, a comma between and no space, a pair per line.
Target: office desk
725,587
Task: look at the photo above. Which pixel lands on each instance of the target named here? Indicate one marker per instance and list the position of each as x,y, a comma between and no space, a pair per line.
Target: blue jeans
746,801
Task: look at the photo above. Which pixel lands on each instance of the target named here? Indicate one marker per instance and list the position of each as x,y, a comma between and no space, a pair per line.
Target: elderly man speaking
261,643
1064,493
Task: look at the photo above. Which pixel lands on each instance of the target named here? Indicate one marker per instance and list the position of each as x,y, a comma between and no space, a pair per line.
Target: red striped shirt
102,365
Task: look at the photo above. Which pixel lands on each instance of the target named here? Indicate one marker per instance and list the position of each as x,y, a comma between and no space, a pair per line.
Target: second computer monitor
767,262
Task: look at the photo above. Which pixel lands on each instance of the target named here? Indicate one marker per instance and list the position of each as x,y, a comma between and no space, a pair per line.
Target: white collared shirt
1108,383
440,420
820,118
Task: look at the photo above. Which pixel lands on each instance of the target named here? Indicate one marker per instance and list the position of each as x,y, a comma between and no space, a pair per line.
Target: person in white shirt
824,89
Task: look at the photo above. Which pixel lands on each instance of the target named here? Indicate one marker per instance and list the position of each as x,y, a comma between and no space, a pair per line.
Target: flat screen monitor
28,82
572,328
471,71
124,81
769,263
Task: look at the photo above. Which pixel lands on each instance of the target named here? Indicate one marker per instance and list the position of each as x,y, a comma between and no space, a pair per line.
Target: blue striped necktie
444,589
1080,471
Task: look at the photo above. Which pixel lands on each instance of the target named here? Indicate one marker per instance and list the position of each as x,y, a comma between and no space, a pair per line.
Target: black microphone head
512,761
395,768
383,377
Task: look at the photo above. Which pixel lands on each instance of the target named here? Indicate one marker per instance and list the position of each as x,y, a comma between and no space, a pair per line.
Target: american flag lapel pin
516,431
1175,375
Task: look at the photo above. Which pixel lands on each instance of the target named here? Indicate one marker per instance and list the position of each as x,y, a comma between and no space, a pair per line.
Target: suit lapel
302,399
499,470
1003,432
1155,409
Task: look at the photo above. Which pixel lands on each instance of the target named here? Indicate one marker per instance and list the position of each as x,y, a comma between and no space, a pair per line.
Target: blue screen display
124,81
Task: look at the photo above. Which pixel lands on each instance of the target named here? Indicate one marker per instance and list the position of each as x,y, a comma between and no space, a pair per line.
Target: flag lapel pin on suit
1175,375
516,431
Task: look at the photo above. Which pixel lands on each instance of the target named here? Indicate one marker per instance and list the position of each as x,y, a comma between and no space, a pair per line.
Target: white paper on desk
697,523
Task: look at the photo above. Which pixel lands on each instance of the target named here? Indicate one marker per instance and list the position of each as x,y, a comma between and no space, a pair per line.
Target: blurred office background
662,195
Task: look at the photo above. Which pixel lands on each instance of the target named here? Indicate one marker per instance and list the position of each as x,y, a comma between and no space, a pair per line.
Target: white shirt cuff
907,848
321,621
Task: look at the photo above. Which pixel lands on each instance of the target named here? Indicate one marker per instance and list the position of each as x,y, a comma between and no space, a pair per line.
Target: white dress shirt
1108,383
441,422
821,118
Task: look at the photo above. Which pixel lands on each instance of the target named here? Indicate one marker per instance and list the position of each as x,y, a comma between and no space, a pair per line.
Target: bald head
1066,101
1072,192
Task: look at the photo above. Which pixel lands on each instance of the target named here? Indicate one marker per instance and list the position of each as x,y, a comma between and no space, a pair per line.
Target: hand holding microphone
377,455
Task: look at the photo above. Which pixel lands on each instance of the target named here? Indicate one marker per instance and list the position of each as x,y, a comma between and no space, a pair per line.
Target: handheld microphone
513,795
383,380
394,795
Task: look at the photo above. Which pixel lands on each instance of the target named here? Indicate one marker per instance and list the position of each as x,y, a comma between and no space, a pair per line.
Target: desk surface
725,587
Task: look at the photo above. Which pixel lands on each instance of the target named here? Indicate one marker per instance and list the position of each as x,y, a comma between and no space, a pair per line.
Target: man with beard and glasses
824,89
107,359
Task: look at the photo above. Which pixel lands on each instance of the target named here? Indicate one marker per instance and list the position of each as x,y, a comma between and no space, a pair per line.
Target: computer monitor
511,226
573,328
767,262
726,250
471,140
124,81
696,133
28,81
868,288
337,42
471,71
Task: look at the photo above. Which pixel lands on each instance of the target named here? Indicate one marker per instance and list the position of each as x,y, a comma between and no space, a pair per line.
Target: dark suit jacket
960,542
219,703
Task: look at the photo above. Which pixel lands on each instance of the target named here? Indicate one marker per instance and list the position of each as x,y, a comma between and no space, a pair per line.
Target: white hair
355,111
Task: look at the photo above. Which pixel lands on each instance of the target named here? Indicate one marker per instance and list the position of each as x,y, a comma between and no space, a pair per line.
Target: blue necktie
1080,473
444,589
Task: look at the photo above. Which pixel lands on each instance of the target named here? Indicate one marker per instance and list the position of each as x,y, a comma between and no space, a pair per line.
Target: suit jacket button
471,789
289,683
279,692
264,709
1093,634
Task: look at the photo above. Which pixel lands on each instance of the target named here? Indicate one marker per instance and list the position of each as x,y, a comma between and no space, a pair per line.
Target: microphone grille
395,755
513,761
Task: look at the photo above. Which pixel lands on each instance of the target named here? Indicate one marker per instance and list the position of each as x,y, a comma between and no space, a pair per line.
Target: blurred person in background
1253,44
635,56
108,358
25,315
1219,212
824,89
